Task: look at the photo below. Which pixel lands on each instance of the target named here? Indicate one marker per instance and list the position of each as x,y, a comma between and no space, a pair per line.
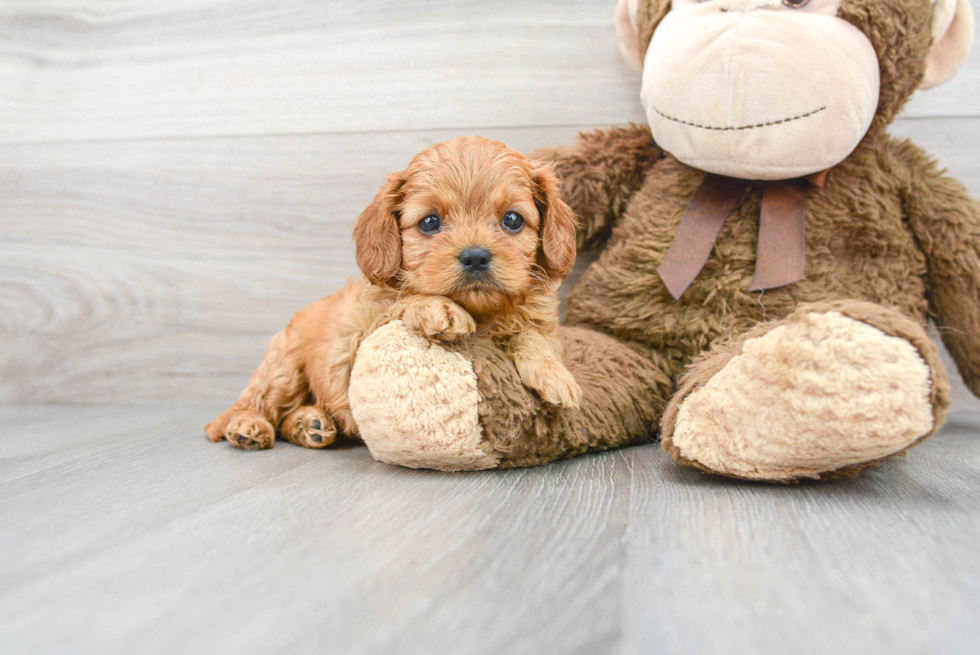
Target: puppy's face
469,219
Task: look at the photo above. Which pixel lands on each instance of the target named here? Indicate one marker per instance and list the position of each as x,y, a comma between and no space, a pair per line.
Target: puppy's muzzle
475,260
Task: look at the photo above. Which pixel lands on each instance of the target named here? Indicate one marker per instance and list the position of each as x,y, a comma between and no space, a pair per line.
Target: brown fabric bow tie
781,253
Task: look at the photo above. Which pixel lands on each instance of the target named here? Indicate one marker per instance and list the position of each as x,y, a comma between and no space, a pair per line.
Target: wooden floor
124,530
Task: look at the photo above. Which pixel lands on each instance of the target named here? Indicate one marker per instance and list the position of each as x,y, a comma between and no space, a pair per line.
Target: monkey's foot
828,391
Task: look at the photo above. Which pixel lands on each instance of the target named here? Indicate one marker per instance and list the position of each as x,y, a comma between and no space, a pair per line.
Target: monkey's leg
826,392
462,406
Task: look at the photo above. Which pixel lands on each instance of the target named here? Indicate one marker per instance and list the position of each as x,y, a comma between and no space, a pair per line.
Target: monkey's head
775,89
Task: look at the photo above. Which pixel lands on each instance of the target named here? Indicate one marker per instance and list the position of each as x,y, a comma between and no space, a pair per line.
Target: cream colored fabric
808,397
952,30
748,90
415,403
626,32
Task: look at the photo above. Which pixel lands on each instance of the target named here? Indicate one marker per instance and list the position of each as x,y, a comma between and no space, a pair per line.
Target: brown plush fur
889,232
469,183
526,432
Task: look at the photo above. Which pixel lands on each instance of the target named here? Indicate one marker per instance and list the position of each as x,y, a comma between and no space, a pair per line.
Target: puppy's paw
309,426
216,428
251,431
438,318
553,382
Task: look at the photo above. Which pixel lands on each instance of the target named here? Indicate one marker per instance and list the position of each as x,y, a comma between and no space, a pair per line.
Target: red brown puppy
470,238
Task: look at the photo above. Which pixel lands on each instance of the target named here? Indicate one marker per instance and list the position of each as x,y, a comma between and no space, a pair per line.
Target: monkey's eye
430,224
512,222
796,4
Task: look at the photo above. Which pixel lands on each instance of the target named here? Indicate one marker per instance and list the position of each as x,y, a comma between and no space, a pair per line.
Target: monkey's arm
946,223
599,173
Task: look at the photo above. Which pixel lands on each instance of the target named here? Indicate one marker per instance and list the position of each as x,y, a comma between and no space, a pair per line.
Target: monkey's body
841,236
863,253
818,377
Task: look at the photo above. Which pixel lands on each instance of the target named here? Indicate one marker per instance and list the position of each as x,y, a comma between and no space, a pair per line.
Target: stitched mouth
732,128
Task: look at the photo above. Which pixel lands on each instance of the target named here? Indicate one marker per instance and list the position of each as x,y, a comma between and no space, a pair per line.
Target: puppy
470,238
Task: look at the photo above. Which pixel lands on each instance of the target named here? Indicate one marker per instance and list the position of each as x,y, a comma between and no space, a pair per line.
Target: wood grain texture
142,536
156,271
104,69
129,532
124,70
157,267
851,567
151,271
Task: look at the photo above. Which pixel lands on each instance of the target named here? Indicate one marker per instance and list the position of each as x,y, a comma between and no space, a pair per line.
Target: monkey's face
759,89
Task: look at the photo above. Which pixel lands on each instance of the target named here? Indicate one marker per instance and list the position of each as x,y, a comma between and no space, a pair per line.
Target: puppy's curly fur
464,188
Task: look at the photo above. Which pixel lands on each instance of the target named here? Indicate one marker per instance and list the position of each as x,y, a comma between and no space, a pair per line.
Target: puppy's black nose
475,260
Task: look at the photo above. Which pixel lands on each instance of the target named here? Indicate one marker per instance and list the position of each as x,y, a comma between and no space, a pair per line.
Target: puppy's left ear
558,223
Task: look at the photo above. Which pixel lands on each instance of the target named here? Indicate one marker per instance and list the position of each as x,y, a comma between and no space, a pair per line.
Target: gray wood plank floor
124,530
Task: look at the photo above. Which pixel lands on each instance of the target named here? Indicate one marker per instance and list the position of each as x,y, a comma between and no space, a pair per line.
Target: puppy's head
469,219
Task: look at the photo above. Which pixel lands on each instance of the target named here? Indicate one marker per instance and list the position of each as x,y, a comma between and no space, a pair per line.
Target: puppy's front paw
553,382
438,318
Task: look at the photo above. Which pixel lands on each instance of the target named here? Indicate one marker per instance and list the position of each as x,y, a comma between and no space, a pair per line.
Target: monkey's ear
377,234
628,35
558,224
635,22
952,36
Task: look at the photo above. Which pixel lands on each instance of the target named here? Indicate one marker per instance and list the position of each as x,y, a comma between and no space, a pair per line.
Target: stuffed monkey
770,256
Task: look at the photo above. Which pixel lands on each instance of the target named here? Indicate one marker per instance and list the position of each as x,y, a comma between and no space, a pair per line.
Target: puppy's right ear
377,235
558,224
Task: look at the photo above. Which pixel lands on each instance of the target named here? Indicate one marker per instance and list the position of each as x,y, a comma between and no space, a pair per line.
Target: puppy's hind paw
438,318
251,431
216,428
310,427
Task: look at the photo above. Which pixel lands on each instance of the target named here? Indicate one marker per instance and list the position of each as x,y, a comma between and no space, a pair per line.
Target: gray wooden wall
178,177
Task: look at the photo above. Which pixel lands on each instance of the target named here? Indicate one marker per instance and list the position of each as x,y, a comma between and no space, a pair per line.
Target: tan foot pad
415,403
808,397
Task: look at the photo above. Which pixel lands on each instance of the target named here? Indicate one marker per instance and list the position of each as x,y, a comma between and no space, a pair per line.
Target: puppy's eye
512,222
430,224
